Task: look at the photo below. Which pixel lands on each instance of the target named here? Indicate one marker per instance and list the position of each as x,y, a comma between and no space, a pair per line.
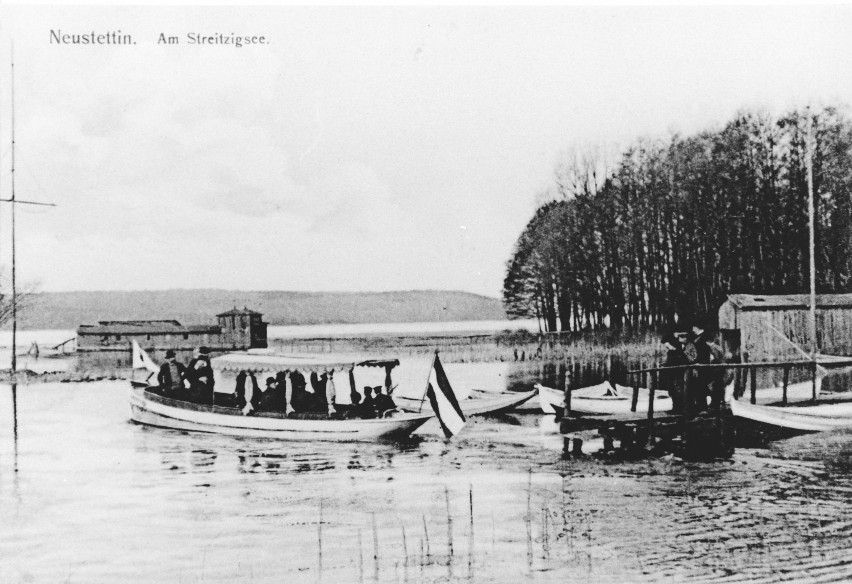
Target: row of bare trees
674,226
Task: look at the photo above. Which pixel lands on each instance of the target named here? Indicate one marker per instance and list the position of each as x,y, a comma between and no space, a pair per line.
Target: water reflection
496,504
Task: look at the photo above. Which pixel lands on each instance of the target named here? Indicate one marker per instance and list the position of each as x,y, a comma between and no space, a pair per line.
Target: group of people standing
690,388
192,382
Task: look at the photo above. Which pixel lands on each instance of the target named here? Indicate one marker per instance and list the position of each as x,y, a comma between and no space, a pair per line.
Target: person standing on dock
672,381
710,382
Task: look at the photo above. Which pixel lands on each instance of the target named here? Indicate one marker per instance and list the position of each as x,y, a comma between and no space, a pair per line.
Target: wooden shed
772,327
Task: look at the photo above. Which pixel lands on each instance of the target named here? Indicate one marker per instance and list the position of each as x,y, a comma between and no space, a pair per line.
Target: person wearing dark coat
707,352
301,400
270,399
672,381
171,376
200,375
240,390
367,407
281,385
382,402
318,384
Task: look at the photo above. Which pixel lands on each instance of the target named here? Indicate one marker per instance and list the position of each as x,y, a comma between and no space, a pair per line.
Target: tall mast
12,199
809,162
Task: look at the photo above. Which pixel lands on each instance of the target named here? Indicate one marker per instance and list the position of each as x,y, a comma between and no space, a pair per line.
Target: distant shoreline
68,310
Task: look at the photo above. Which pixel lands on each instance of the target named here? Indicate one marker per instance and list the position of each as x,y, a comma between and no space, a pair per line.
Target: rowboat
806,418
602,399
149,406
802,414
480,403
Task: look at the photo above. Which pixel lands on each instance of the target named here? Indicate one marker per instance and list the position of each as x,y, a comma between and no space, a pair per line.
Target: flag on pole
141,360
443,400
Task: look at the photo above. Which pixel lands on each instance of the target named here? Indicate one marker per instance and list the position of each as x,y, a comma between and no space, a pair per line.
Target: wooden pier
695,432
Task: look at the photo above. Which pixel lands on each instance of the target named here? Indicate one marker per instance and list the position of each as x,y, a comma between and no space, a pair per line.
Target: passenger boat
602,399
149,406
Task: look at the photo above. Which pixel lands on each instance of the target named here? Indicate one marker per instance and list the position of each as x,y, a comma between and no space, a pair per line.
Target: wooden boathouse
237,329
773,327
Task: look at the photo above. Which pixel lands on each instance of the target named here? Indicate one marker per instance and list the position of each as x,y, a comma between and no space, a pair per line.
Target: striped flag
141,360
443,400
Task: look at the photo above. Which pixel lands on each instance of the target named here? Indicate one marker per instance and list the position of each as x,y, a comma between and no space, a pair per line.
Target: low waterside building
773,327
238,329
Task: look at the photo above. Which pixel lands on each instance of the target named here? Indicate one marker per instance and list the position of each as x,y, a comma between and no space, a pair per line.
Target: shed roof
788,301
239,312
131,327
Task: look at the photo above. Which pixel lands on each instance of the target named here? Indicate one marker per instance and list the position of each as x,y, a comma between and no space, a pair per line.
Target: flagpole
811,234
428,376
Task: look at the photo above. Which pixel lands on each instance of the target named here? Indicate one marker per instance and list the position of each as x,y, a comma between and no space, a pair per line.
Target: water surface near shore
88,496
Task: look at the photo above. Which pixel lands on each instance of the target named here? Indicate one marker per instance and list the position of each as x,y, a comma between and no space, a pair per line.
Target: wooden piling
814,381
786,381
651,408
567,397
635,400
753,385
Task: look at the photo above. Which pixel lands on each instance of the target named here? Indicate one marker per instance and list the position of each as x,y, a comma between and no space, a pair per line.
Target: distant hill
67,310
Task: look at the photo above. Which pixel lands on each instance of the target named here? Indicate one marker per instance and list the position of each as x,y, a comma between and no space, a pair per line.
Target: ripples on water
98,499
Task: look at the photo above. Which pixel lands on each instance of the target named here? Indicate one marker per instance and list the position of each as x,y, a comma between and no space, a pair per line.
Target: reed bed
507,346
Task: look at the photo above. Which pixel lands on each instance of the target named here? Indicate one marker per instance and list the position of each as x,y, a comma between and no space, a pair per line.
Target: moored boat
602,399
479,404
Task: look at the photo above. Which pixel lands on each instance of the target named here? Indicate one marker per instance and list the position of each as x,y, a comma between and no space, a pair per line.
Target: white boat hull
603,399
475,406
153,410
815,418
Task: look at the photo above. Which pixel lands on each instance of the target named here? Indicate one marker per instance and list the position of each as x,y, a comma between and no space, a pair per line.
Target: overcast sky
361,148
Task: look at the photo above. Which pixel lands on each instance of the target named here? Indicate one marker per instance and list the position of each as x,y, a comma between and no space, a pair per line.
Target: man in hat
200,375
712,381
672,381
382,402
171,376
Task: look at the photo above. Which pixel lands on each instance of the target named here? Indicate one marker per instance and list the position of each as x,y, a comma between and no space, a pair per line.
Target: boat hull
154,410
478,406
594,400
813,418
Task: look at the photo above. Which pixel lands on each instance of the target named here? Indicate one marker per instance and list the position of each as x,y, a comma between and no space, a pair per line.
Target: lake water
87,496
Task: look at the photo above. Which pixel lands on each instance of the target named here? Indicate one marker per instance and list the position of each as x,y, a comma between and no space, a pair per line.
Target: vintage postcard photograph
379,294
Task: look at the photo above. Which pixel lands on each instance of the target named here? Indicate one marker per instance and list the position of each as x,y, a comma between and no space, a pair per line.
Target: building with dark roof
769,327
237,329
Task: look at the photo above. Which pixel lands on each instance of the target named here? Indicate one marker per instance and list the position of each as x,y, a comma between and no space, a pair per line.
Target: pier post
577,449
651,387
753,385
786,380
813,380
567,397
635,400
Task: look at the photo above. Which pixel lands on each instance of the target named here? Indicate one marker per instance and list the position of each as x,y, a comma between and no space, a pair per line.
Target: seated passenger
367,407
382,402
171,377
301,400
272,397
355,398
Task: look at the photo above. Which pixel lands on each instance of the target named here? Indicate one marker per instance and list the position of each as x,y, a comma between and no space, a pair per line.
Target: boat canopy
263,362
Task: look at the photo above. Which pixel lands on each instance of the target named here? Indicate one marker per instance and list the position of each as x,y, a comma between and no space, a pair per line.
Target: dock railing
745,374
